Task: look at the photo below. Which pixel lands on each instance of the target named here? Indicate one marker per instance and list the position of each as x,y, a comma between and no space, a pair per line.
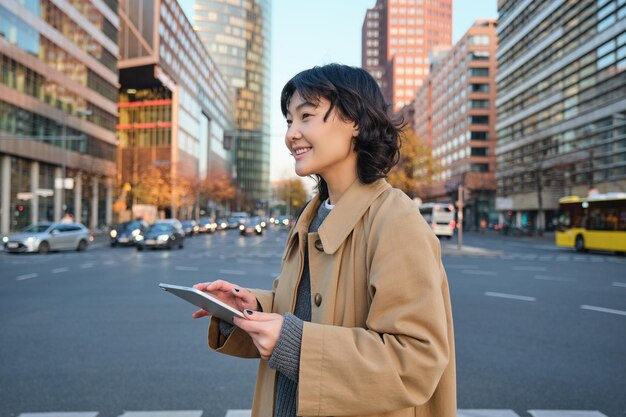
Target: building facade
175,107
58,94
237,35
398,37
455,114
561,104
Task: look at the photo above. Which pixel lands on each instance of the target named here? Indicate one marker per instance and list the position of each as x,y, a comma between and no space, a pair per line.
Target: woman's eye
288,122
305,115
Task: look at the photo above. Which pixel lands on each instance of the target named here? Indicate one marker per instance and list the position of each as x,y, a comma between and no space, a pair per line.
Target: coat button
319,246
318,299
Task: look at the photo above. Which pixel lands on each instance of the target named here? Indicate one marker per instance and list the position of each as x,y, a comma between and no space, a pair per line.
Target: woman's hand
263,328
228,293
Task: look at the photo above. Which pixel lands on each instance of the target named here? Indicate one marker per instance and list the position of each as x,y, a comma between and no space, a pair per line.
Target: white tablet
204,301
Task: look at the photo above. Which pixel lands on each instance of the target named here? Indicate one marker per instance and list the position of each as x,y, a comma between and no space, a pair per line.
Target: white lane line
27,276
566,413
62,414
186,268
59,270
85,266
619,284
486,413
603,310
530,268
510,296
231,272
173,413
559,279
476,272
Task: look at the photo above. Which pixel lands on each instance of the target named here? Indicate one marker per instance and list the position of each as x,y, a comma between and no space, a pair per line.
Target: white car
46,237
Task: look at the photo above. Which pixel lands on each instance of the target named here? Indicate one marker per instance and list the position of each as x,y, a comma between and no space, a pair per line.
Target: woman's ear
355,131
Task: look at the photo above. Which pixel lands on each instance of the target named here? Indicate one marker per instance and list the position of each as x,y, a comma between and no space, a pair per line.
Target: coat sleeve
396,362
239,343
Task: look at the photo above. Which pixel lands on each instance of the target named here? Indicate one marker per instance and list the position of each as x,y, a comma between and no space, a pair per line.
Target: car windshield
133,225
36,228
161,227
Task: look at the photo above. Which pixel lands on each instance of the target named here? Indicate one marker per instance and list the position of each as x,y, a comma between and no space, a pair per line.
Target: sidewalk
453,249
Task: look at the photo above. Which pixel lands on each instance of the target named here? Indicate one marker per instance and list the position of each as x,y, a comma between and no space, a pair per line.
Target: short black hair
357,98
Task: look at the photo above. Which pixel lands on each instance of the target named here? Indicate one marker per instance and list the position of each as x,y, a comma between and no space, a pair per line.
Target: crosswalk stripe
173,413
486,413
238,413
565,413
62,414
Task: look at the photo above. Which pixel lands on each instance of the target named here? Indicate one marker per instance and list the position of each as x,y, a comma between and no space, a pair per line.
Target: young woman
359,321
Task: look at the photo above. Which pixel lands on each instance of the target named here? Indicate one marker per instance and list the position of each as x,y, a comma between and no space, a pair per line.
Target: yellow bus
594,222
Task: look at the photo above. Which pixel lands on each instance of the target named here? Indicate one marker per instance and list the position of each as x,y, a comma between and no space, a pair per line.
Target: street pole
63,170
460,205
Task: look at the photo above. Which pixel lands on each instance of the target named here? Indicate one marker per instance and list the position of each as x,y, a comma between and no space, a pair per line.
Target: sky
307,33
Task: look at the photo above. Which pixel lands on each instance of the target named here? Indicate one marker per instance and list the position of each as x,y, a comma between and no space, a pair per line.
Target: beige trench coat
380,341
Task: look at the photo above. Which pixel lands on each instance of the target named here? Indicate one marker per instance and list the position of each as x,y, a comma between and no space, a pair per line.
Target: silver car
45,237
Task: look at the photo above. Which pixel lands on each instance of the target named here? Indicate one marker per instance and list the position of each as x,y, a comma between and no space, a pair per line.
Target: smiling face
322,147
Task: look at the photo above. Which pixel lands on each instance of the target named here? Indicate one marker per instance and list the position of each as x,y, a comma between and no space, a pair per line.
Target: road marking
173,413
231,272
186,268
476,272
85,266
559,279
238,413
27,276
619,284
603,310
510,296
59,270
530,268
566,413
486,413
62,414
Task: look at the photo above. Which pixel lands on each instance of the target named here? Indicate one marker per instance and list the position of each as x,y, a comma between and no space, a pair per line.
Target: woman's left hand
263,328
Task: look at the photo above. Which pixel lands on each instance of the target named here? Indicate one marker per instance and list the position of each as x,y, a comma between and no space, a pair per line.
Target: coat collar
344,216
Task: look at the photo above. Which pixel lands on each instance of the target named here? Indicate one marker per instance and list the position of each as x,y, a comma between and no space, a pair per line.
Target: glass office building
176,109
58,94
561,104
237,36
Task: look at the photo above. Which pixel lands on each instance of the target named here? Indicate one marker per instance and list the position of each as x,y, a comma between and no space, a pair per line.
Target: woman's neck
338,186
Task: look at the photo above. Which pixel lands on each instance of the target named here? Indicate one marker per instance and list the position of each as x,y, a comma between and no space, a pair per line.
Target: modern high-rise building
237,35
561,104
455,114
397,38
58,96
175,108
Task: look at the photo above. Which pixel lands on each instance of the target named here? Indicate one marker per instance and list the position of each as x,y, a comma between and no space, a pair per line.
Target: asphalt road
537,327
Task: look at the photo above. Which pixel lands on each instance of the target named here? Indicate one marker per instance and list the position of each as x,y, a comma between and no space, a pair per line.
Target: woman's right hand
228,293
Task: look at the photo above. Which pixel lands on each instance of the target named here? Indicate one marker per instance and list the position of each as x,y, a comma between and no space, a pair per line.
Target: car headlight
138,238
163,238
241,227
136,232
113,233
286,222
5,239
258,228
263,224
30,239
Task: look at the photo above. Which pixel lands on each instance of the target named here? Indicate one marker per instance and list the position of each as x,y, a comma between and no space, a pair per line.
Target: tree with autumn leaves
416,168
156,186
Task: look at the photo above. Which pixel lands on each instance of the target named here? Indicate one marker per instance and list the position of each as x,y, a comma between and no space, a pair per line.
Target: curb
452,249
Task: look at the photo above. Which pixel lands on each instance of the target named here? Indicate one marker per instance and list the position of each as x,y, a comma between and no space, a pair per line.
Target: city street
537,328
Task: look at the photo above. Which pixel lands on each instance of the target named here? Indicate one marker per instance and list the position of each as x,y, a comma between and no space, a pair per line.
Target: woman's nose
293,133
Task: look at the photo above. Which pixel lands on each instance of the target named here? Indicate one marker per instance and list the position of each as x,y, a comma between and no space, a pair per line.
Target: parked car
190,227
46,237
207,225
126,232
252,225
161,235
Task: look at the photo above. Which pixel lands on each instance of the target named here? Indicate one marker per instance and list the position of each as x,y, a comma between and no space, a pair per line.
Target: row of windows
17,121
25,80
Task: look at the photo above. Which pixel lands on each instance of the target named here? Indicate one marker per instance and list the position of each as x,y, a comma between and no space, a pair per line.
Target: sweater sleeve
286,356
